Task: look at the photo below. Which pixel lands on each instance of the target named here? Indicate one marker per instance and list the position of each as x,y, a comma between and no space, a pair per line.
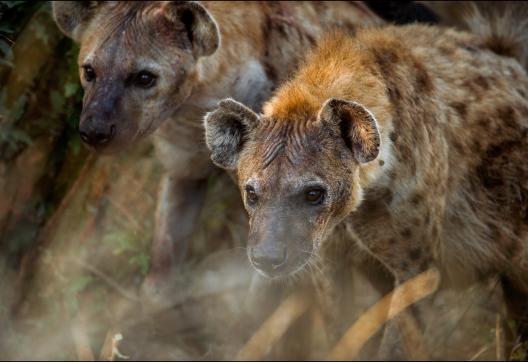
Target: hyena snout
269,258
96,133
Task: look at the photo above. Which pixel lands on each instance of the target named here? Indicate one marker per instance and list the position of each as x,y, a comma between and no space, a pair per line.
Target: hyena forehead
124,36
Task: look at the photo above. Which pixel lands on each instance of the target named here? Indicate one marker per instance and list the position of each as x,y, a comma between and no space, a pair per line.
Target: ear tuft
357,126
72,16
226,131
200,26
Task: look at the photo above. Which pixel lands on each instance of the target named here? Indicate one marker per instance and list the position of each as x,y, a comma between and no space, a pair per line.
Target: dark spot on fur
446,50
470,48
507,113
406,233
392,241
388,196
415,254
394,94
424,83
424,265
458,146
386,59
381,162
393,136
405,153
475,147
460,108
416,199
494,151
483,123
488,178
434,232
481,82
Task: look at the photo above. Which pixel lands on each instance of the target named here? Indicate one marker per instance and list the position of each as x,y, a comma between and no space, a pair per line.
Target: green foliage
47,110
13,16
131,246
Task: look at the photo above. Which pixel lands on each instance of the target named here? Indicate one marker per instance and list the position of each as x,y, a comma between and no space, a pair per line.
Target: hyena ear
357,126
200,26
226,130
73,16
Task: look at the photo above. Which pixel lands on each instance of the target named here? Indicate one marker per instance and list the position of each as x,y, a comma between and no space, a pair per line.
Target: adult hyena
148,66
415,138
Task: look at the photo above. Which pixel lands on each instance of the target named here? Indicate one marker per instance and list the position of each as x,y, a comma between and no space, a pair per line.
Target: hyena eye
251,195
145,79
89,73
314,195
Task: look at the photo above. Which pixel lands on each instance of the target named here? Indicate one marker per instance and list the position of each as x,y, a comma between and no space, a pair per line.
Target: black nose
269,260
96,134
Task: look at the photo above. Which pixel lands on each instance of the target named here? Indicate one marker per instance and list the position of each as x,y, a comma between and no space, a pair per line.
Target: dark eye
314,196
251,195
89,73
145,79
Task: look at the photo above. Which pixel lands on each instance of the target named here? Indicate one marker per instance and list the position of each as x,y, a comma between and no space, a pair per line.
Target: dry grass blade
110,349
499,339
81,340
387,308
106,350
274,327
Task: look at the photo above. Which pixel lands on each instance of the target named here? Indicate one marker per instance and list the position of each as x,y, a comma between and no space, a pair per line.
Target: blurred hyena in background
76,230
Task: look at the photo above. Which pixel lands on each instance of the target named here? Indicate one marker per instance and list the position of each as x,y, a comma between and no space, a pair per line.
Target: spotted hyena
413,138
160,66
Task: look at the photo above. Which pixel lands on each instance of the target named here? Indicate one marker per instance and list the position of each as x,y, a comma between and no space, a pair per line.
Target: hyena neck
233,71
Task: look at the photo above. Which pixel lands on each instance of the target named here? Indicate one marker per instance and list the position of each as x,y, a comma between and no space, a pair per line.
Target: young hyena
149,66
415,138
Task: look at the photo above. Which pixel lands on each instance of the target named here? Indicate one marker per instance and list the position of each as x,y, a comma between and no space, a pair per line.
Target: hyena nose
96,134
269,260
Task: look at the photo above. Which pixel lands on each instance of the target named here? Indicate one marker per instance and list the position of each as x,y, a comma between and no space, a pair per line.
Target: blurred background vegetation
71,241
75,231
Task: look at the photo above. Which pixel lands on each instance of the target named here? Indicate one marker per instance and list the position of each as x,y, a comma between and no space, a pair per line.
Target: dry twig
274,327
110,349
499,338
387,308
81,339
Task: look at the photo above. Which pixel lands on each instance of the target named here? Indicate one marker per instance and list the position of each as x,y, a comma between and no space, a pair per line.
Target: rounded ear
200,26
226,130
355,124
72,16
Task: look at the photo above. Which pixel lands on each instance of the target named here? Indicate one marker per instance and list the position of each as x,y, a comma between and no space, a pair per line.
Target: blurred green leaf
5,48
6,29
70,89
57,101
80,284
13,4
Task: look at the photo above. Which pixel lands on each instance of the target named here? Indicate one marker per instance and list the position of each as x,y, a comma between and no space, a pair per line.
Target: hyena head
299,177
137,63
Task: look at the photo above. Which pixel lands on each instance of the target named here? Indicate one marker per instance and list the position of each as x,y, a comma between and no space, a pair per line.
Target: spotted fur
449,185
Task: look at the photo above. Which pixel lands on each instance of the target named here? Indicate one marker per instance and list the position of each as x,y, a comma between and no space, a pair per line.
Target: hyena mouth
288,270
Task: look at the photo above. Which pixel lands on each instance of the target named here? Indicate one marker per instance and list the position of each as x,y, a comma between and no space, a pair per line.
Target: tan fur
449,187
